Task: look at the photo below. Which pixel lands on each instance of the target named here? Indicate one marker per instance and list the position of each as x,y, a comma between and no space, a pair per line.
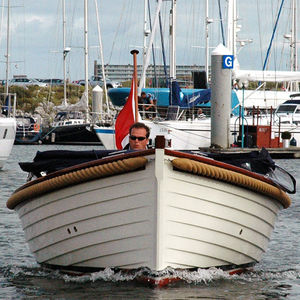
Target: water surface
277,276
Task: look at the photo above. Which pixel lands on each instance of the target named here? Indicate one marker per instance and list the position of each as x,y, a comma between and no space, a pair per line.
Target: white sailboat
73,123
7,106
288,79
7,131
184,134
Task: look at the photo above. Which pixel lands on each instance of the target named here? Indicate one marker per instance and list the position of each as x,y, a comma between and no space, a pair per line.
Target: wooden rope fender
76,177
202,169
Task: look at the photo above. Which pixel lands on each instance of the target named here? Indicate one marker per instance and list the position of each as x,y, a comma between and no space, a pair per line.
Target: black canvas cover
256,161
259,162
54,160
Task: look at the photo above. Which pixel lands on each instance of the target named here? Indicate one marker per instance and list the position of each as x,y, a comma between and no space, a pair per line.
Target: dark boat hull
80,134
27,138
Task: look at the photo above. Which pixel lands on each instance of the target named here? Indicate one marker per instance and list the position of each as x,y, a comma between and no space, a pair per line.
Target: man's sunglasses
139,138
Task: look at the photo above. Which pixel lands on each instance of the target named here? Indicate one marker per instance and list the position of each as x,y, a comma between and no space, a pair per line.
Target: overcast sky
36,34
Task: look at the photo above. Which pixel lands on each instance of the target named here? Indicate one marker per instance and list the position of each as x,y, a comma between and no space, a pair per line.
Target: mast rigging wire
221,23
273,34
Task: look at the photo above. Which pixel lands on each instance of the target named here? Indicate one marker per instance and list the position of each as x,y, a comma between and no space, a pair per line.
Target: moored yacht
7,127
70,127
289,111
28,130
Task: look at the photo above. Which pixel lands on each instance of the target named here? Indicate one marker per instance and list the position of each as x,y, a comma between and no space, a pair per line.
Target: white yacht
7,128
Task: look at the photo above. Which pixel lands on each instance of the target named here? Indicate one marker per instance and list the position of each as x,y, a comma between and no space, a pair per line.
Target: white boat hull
183,135
156,217
191,135
7,138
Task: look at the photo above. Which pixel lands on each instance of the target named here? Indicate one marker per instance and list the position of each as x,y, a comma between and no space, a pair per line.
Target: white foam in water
107,275
192,277
198,276
202,275
29,270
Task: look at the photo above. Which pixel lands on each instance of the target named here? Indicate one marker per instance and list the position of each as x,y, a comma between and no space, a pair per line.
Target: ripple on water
210,283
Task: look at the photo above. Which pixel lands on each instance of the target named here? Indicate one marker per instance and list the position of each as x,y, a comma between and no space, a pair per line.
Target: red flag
125,119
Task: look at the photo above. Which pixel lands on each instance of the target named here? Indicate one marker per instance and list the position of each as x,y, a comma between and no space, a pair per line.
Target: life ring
36,127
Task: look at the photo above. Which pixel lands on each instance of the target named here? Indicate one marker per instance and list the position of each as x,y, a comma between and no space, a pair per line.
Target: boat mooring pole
97,103
135,95
221,66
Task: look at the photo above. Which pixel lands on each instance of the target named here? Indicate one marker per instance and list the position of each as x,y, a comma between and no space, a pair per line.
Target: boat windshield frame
286,109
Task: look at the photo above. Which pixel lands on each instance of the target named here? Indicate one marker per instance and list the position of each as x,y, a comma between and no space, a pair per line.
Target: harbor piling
220,97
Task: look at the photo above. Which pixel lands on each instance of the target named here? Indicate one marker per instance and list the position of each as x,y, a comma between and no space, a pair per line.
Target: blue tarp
187,97
177,97
198,98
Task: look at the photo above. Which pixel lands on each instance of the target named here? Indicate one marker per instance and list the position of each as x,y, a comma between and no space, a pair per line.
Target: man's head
143,95
139,136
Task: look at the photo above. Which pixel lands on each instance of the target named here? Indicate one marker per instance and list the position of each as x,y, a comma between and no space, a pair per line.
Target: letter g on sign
227,62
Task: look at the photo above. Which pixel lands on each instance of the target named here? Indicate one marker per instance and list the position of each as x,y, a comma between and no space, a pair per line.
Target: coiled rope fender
201,169
76,177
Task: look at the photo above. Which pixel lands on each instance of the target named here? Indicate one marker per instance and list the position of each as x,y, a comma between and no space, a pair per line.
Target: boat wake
199,276
145,274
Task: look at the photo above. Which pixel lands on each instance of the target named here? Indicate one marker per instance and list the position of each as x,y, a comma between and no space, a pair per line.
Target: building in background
185,74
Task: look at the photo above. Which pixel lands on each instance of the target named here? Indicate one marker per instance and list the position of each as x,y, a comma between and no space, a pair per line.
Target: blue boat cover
184,98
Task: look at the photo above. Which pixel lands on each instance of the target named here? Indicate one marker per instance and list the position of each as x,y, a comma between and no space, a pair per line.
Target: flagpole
134,53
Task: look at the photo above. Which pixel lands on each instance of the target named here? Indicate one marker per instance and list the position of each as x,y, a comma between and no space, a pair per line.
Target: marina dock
276,153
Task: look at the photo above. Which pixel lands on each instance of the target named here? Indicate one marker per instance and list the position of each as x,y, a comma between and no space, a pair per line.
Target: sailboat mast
145,35
159,3
7,48
294,66
102,59
86,87
173,41
293,44
207,22
231,28
64,51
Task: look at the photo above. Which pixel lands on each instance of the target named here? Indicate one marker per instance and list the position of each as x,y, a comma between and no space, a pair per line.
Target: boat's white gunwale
171,154
255,182
102,169
86,165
